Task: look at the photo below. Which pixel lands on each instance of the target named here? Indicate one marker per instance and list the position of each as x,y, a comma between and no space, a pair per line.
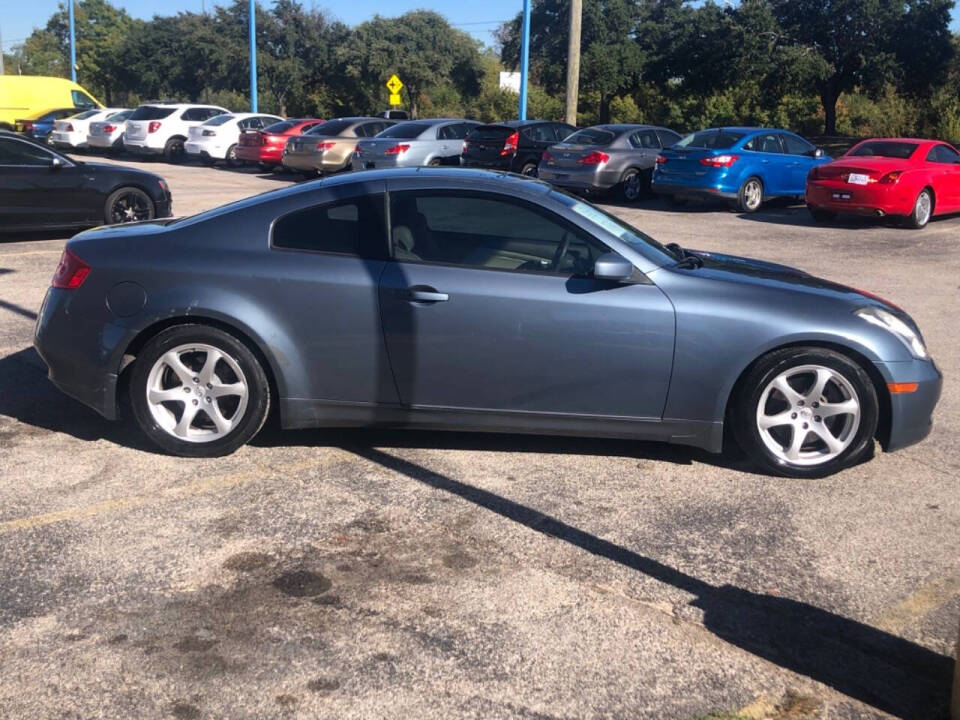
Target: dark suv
515,145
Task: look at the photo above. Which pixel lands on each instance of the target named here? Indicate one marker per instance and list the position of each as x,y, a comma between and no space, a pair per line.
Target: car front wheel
128,204
198,391
806,412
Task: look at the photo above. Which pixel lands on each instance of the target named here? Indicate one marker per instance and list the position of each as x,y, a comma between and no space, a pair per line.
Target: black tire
128,204
530,169
821,216
231,157
750,195
744,409
435,162
258,390
174,151
630,187
918,218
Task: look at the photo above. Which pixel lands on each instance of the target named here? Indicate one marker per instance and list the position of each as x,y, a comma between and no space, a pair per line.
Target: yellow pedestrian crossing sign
394,85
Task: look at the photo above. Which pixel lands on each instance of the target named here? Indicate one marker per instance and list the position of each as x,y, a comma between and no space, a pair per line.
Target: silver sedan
607,157
436,141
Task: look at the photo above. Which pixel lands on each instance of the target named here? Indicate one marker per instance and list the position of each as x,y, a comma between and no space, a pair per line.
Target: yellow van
25,95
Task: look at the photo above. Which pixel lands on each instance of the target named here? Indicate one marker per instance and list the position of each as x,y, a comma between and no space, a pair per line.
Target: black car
41,189
516,145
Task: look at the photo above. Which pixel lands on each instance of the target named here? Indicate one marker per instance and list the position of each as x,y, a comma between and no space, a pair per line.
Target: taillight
325,145
209,133
594,158
28,126
510,144
814,173
661,159
547,157
891,177
357,151
68,128
109,128
463,148
154,126
396,150
70,273
719,160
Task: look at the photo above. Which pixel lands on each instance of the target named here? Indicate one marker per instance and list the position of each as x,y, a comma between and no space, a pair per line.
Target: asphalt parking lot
357,574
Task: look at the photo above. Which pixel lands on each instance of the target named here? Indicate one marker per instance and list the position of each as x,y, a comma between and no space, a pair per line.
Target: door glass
645,139
769,143
353,226
484,230
796,146
943,154
17,152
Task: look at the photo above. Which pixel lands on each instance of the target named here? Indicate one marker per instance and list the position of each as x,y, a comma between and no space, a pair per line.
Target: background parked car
516,145
265,147
40,125
914,179
25,96
607,157
217,138
745,165
162,128
108,133
329,147
72,131
42,189
436,141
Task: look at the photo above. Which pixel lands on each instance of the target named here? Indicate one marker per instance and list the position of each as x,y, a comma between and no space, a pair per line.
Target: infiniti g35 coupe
473,300
41,189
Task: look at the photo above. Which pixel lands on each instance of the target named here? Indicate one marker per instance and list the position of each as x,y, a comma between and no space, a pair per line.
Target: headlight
890,322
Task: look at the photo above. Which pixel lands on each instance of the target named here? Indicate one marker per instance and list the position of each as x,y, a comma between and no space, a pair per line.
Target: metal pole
524,59
253,56
73,44
1,53
573,62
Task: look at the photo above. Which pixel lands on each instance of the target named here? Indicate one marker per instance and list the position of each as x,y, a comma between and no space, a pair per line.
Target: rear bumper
662,188
140,147
205,149
68,139
840,197
100,141
505,163
310,161
261,154
579,178
911,414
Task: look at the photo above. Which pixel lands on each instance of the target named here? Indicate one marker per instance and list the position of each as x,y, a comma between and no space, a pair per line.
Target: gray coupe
607,157
473,300
430,142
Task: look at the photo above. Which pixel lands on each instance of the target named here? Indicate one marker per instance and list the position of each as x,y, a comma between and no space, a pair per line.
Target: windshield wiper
687,258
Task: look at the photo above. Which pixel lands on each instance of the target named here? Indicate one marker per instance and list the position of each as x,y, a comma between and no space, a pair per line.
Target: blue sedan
471,300
743,165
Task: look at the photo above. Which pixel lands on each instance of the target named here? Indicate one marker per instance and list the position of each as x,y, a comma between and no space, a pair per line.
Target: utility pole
524,60
1,53
253,56
73,45
573,62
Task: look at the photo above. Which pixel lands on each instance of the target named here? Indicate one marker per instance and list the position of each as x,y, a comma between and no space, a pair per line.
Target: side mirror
56,163
818,153
612,266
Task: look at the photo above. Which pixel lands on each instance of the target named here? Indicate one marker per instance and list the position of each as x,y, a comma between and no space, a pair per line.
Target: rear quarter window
353,226
151,112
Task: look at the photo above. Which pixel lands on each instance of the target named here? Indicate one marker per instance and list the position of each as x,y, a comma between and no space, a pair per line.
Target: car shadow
882,670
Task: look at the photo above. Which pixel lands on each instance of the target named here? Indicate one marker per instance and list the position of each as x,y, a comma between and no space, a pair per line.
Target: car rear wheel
198,391
231,156
806,412
821,216
128,204
922,210
173,151
631,185
750,196
434,162
529,169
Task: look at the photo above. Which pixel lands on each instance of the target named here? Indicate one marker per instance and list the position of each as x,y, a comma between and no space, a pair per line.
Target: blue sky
17,18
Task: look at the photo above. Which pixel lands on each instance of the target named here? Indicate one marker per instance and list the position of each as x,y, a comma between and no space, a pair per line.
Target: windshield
279,127
491,132
713,139
219,120
613,225
330,128
590,136
151,112
406,131
901,150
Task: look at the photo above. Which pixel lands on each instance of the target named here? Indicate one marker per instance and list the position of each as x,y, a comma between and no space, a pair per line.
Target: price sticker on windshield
858,179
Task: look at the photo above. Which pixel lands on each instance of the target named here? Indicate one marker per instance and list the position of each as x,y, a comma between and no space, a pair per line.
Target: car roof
522,123
180,105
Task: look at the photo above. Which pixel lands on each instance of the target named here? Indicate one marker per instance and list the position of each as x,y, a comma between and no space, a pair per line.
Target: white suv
162,128
217,138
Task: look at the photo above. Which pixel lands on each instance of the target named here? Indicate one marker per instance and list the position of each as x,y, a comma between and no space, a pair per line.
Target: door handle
426,295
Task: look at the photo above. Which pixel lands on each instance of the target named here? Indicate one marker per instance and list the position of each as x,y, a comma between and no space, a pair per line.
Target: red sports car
904,177
265,147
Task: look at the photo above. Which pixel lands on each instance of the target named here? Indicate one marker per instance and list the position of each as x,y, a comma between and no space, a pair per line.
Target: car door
34,192
489,305
799,158
768,163
944,162
646,145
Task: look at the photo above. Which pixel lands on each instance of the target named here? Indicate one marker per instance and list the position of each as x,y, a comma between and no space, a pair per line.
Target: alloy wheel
631,186
808,415
131,206
197,393
922,208
752,194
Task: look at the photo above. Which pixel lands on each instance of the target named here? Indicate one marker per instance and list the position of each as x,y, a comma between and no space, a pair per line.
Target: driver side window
485,230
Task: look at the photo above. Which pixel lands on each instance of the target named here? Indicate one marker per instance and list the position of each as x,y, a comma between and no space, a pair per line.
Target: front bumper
911,414
586,179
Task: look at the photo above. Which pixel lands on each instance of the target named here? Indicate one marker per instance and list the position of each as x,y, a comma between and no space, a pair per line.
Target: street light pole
253,56
73,43
524,59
